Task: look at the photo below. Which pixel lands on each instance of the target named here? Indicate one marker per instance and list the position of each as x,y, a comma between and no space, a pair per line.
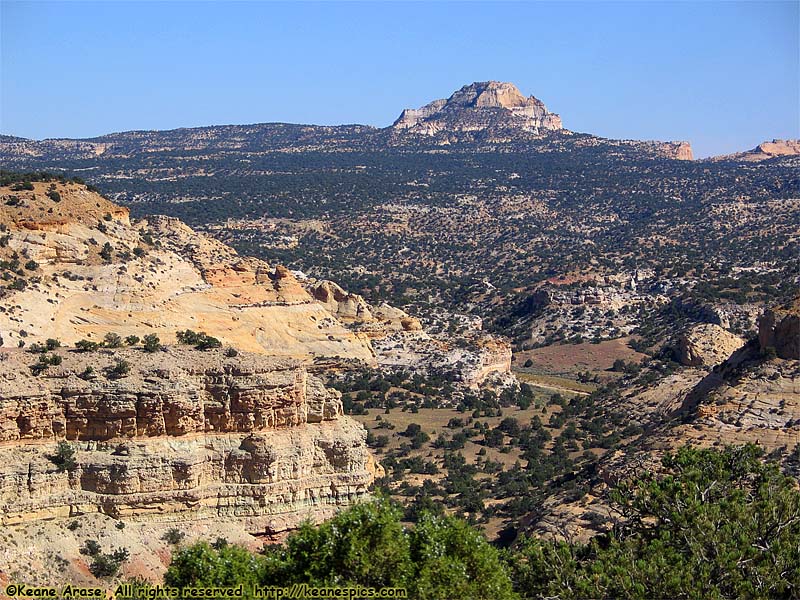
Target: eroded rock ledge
185,434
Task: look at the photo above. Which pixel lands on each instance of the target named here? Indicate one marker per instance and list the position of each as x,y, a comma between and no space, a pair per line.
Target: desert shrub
86,345
64,457
112,340
119,370
173,536
366,545
151,343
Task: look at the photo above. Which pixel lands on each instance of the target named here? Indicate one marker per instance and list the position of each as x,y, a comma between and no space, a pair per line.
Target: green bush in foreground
367,545
711,524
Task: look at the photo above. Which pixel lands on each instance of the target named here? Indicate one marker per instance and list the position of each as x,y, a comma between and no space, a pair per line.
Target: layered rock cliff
184,434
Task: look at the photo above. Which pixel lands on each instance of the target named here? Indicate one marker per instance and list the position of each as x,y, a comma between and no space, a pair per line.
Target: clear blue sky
723,75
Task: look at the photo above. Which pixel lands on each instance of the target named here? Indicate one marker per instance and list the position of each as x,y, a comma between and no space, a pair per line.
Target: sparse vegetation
200,340
86,345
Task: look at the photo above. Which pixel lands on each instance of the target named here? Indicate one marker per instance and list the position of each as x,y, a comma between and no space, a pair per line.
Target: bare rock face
707,344
779,328
480,106
347,307
778,148
678,150
184,432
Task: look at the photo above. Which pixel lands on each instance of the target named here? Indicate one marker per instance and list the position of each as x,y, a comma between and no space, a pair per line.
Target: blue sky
723,75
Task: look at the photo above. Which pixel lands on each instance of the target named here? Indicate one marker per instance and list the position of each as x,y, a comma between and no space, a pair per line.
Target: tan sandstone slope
158,276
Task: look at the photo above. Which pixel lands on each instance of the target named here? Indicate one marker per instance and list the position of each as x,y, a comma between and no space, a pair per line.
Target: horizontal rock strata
184,433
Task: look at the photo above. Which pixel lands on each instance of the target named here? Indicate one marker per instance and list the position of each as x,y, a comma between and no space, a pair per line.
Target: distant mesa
487,115
479,106
778,148
765,151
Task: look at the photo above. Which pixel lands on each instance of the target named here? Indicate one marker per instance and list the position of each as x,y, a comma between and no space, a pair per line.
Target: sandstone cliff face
480,106
170,393
185,432
779,328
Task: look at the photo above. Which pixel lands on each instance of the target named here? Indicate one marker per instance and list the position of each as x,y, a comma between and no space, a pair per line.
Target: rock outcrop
480,106
678,150
184,434
765,151
779,328
706,345
347,307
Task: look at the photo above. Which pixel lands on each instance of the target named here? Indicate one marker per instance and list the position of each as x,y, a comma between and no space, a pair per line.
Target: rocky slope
77,268
753,396
92,272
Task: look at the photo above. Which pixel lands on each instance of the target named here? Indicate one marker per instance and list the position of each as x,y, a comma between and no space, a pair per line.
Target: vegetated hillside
76,267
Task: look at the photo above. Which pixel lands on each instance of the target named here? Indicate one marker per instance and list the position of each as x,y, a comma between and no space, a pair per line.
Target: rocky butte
480,106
